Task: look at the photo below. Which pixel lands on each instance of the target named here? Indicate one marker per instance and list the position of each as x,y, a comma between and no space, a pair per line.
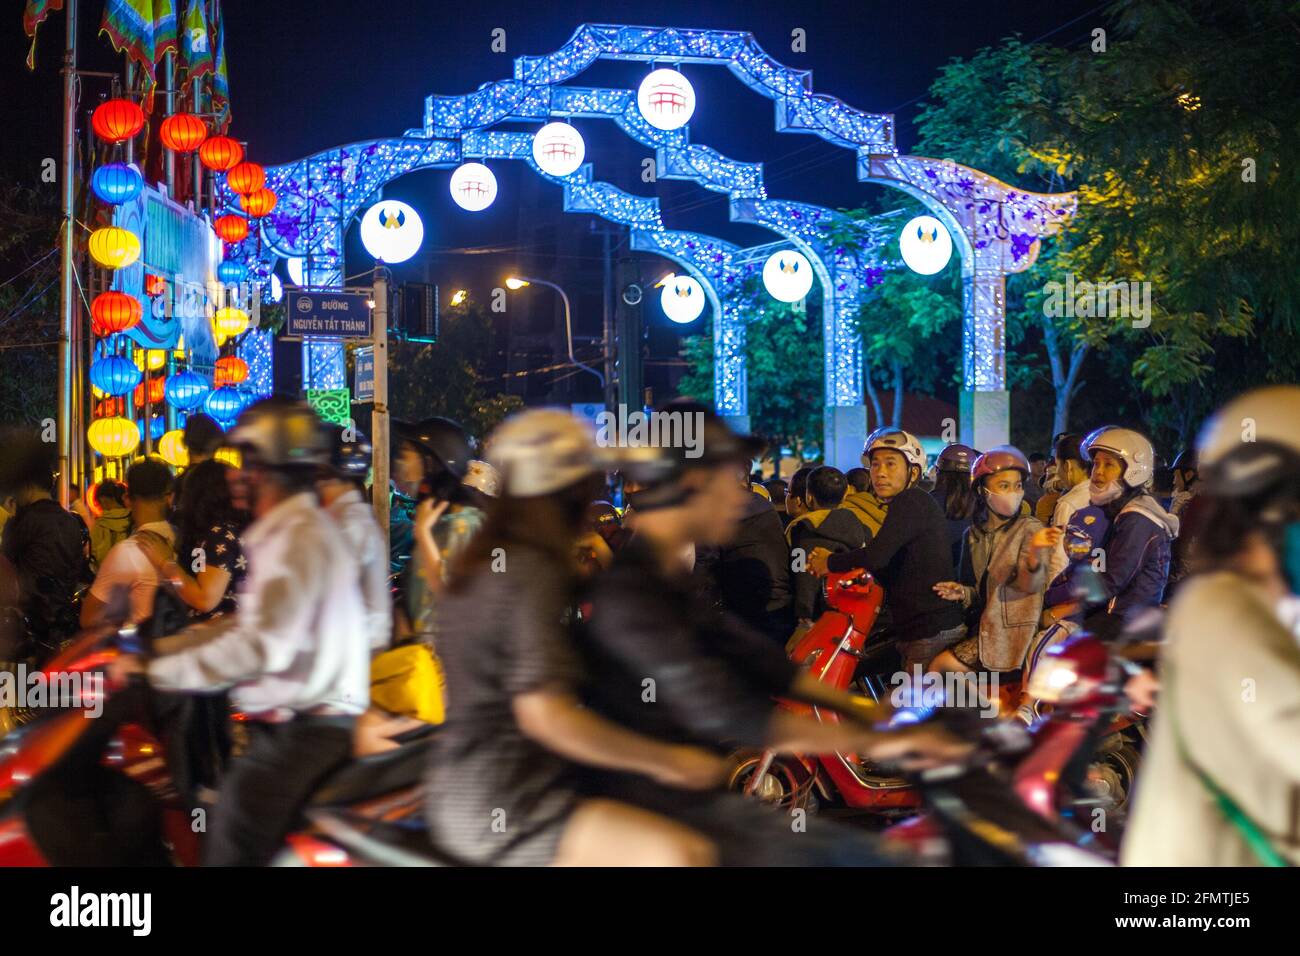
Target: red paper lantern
110,407
182,132
229,370
157,389
117,120
245,178
154,285
231,228
259,202
115,312
220,153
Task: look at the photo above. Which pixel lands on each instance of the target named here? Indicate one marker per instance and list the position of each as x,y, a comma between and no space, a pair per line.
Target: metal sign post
379,434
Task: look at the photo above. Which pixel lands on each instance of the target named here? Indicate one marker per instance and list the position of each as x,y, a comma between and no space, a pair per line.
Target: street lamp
518,282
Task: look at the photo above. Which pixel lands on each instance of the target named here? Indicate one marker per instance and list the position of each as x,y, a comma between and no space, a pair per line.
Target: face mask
1005,504
1107,494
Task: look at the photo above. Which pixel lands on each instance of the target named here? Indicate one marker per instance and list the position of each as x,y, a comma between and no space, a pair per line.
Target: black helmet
657,469
350,452
442,440
279,432
956,457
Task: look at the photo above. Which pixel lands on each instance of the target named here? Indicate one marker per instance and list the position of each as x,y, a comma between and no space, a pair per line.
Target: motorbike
84,790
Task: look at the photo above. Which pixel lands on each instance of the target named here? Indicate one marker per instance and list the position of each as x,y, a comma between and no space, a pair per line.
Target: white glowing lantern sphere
276,291
925,245
666,99
558,149
787,276
391,231
295,264
473,186
682,299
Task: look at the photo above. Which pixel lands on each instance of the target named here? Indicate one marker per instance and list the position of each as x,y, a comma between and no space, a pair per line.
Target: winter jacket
836,530
113,525
1137,556
49,547
1223,638
867,508
753,572
1002,591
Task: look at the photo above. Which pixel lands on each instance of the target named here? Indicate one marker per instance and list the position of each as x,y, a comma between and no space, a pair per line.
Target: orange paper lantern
259,202
114,312
231,228
117,120
245,178
229,370
182,132
157,389
220,153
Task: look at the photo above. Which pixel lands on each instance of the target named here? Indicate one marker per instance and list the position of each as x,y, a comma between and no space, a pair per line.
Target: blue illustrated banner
363,390
331,315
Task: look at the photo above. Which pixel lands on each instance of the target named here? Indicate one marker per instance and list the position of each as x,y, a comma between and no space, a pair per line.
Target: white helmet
1251,442
482,477
895,439
1133,448
540,451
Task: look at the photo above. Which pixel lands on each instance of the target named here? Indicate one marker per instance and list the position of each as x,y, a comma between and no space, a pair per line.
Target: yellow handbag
409,681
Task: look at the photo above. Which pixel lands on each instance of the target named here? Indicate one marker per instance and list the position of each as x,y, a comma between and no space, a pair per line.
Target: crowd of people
590,667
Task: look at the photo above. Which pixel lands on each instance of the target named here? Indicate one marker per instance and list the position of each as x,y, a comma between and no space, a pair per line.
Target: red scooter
81,790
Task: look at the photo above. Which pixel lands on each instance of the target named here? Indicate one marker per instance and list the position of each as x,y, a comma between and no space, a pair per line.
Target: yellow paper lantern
171,447
230,321
153,358
180,347
114,437
230,456
113,247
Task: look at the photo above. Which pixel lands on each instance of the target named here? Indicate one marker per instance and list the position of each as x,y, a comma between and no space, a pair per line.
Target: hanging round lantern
392,231
259,202
230,321
114,375
156,428
154,285
220,153
113,247
231,272
224,404
171,448
113,437
666,99
108,407
117,120
558,149
245,178
682,299
231,228
185,390
473,186
787,275
115,312
153,359
182,132
157,387
116,183
230,370
925,245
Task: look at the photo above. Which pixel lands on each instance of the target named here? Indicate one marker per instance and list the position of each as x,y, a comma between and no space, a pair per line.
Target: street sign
329,315
363,389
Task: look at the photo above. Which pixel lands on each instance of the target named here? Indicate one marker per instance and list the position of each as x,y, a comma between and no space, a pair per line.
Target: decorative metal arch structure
996,227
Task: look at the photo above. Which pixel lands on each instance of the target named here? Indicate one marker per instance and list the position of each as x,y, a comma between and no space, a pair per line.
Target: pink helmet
998,459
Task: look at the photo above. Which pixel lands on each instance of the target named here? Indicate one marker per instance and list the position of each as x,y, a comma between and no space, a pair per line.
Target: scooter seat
375,775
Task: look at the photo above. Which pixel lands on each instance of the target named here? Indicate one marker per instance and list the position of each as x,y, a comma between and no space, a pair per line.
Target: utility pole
379,435
67,303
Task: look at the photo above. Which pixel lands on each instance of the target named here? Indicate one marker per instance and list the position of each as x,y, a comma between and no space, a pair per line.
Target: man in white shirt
126,571
340,488
292,654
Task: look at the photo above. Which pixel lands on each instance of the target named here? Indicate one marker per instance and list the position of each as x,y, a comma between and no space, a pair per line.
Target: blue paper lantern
224,404
157,429
231,272
114,375
185,390
116,183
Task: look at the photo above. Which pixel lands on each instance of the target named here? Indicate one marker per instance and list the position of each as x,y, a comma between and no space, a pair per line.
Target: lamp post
518,282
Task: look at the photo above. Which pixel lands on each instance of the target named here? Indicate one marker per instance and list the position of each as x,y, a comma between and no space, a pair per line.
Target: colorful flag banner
34,15
145,30
196,40
220,75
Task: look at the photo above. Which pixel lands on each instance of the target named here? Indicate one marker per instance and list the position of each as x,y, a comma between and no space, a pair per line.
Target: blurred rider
1221,775
952,490
910,553
292,652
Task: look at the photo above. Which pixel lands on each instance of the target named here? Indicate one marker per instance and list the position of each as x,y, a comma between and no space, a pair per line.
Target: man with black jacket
825,525
909,555
753,569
